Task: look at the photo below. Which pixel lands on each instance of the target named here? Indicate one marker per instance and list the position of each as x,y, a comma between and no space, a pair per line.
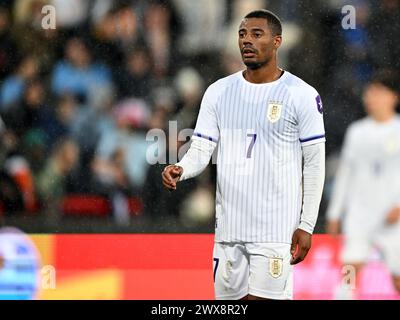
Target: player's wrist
306,227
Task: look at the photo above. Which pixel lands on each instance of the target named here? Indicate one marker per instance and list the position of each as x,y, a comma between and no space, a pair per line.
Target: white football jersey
259,130
367,184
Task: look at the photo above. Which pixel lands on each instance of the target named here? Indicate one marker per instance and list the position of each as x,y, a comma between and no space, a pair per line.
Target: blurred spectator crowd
78,100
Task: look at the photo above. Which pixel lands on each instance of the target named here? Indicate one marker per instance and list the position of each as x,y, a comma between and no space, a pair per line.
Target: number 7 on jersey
253,137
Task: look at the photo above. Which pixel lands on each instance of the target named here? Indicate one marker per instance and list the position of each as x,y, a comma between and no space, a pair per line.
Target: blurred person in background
113,181
13,86
89,123
161,28
51,180
34,146
21,119
202,35
202,26
27,113
56,122
18,168
126,32
190,87
71,14
11,196
12,173
7,43
27,11
77,73
122,148
31,37
158,203
119,166
135,79
366,197
92,120
104,39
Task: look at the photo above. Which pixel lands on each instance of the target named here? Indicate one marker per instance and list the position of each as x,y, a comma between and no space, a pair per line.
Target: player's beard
258,64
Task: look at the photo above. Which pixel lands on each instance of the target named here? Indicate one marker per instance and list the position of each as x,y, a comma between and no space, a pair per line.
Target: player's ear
277,41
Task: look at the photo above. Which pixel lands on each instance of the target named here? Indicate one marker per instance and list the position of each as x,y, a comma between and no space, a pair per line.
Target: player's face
256,42
379,100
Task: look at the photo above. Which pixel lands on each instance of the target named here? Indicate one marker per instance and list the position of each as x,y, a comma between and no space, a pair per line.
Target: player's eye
241,35
258,34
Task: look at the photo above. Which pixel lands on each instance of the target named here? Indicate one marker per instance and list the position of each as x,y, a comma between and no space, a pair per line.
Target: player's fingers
176,169
293,246
302,253
293,253
168,183
296,260
170,188
298,257
166,178
176,172
302,250
166,174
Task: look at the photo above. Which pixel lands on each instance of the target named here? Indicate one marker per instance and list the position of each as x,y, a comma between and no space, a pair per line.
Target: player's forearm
197,158
340,188
313,183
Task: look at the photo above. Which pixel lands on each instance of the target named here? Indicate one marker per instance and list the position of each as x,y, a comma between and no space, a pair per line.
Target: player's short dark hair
387,78
274,23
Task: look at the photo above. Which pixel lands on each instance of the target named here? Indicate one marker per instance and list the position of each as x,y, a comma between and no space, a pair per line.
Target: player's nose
247,40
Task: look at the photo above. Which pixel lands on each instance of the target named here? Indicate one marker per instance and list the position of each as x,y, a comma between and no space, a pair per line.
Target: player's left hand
301,243
393,216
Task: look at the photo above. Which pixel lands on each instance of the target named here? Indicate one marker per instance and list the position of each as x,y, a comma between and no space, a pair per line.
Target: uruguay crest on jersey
274,111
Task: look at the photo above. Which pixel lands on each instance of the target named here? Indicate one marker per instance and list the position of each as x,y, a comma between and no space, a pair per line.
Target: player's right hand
333,227
393,216
171,175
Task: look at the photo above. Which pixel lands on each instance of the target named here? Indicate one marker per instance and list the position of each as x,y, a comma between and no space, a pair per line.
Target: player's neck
265,74
384,117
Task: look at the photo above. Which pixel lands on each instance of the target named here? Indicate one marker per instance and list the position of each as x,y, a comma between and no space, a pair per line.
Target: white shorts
258,269
357,249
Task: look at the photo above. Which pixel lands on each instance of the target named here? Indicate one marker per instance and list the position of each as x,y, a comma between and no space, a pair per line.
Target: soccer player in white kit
267,126
366,194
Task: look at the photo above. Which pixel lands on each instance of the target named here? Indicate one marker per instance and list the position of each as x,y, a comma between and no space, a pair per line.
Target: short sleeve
310,117
207,120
